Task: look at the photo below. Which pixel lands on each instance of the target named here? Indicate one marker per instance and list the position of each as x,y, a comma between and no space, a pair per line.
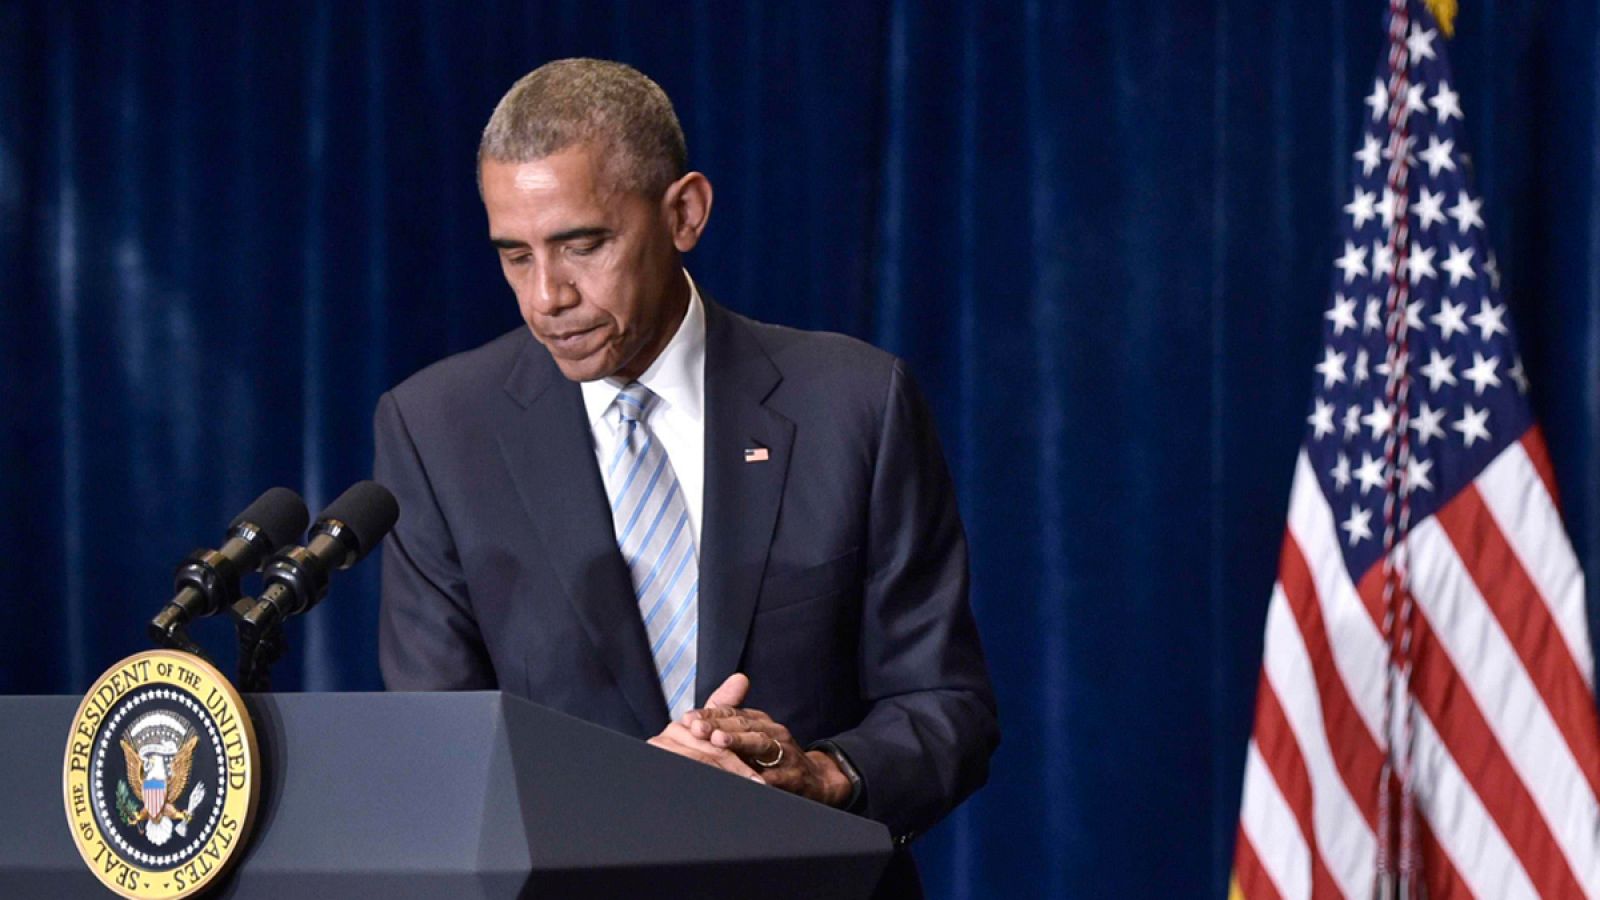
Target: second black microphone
296,578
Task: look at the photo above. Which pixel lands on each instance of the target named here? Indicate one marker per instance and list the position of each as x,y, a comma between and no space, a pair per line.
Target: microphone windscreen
279,514
368,511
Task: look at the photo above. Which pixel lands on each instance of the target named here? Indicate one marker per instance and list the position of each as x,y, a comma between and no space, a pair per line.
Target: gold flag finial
1445,12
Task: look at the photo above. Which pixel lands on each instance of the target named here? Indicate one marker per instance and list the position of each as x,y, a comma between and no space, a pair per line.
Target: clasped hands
746,742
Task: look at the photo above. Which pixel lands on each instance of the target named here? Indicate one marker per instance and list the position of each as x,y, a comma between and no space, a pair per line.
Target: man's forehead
549,199
547,175
580,166
534,178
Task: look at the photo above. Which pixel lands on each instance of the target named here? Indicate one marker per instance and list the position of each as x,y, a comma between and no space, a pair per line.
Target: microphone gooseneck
207,581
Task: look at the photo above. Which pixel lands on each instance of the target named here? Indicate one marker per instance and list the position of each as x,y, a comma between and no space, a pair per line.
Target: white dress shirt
678,377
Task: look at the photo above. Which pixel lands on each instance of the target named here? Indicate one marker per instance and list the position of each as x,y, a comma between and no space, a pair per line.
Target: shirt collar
677,376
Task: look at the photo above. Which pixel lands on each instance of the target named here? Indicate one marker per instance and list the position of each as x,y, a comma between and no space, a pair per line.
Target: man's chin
582,369
585,367
593,367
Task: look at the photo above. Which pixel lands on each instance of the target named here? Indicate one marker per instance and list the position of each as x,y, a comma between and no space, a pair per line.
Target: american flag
1421,440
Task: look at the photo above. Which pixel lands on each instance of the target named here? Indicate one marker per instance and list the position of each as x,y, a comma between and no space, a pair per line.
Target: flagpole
1397,606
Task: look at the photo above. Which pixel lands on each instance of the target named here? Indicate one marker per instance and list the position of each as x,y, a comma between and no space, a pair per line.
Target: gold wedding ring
769,763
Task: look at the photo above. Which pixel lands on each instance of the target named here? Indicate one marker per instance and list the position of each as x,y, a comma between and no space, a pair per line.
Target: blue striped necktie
657,543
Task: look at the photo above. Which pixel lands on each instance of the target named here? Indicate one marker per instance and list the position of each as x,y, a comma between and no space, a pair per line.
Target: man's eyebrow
560,237
578,234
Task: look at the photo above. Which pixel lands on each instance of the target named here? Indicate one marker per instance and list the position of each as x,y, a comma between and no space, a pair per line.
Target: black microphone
296,578
207,581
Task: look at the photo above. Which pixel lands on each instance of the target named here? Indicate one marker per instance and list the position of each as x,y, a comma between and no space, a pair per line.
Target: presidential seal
160,775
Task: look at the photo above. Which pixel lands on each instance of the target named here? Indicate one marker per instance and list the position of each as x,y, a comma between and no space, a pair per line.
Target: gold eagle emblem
160,803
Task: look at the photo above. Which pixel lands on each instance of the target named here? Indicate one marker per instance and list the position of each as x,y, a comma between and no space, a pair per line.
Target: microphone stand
177,638
259,648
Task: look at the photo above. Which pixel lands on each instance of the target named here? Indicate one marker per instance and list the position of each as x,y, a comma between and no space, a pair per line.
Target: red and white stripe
155,799
1507,739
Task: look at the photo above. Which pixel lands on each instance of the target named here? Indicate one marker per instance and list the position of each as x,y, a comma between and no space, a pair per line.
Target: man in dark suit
735,540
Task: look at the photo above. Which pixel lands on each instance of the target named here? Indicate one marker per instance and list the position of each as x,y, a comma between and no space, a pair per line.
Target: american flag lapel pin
756,454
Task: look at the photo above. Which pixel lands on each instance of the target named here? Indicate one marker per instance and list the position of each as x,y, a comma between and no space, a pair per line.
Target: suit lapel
548,449
741,498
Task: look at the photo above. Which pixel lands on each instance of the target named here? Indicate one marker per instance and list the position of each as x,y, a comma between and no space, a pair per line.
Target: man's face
594,267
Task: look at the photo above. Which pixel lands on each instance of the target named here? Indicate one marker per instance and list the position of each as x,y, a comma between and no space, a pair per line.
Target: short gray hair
594,101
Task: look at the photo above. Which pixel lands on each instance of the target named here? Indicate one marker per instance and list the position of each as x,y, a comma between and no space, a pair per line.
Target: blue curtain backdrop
1100,232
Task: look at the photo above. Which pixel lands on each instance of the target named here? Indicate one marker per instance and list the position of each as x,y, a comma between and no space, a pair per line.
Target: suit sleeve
925,742
428,639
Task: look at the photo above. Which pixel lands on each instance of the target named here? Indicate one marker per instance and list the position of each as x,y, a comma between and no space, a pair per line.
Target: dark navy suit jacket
834,573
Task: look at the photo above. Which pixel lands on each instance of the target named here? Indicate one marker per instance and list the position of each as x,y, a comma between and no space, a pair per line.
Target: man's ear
687,206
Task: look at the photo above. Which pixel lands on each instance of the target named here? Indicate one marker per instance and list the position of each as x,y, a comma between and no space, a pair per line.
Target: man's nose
553,290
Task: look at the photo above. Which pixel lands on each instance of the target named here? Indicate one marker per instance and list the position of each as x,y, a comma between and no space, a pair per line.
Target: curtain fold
1101,235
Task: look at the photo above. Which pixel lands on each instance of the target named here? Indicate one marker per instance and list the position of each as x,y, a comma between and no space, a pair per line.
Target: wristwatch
858,789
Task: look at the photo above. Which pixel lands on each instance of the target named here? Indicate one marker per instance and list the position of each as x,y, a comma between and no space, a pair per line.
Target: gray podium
462,796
